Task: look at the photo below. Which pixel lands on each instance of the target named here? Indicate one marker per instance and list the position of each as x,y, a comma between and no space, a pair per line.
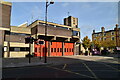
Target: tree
108,44
105,44
97,44
86,42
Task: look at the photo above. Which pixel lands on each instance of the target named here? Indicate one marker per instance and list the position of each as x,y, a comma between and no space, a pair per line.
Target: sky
91,15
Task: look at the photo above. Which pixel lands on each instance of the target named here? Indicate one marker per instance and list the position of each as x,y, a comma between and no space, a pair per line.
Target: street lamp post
47,4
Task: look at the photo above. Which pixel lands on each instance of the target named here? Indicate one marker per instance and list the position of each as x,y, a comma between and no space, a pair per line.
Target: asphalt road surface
83,70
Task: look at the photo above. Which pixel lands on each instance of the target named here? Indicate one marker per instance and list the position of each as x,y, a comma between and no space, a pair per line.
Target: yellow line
90,71
64,66
70,72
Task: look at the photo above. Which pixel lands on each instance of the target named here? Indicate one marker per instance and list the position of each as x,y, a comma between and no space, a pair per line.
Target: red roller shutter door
40,49
59,46
56,49
53,49
68,49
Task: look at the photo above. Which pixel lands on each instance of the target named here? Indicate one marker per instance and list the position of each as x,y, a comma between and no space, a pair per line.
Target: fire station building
62,40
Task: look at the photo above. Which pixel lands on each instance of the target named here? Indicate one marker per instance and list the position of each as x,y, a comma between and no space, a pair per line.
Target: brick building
62,40
112,37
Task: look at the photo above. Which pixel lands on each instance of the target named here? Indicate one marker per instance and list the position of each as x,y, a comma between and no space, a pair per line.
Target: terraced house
61,39
110,38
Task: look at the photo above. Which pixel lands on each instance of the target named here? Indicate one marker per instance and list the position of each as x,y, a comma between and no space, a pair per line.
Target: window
22,34
11,48
21,49
5,48
60,49
65,49
75,33
94,38
105,38
54,49
51,49
112,33
96,35
24,49
16,49
57,49
72,50
113,38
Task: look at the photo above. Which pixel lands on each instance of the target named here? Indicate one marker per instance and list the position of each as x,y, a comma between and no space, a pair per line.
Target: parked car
105,52
95,52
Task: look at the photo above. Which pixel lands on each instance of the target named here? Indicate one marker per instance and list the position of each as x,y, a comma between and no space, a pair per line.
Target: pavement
21,62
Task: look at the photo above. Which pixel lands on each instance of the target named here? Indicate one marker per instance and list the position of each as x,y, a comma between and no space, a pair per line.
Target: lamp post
45,52
117,36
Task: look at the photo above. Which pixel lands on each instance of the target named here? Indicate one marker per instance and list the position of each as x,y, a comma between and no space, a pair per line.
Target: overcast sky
91,15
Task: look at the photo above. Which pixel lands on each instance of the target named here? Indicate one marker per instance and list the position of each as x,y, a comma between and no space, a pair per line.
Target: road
83,70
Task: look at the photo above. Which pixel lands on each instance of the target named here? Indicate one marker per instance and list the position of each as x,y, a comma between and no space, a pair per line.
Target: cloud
65,4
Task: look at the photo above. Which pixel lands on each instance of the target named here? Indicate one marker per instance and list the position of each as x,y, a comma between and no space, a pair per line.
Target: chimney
93,31
103,29
116,25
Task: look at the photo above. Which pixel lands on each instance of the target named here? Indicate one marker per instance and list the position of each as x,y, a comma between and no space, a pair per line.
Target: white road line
64,66
90,71
70,72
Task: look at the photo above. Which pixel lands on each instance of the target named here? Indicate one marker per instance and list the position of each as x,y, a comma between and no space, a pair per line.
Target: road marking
111,67
90,71
70,72
64,66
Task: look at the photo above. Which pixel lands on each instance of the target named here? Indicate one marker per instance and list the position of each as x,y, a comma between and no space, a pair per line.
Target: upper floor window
75,33
112,33
12,33
19,48
95,35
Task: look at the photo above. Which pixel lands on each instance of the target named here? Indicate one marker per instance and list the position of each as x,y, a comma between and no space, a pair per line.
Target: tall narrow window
51,49
54,49
113,38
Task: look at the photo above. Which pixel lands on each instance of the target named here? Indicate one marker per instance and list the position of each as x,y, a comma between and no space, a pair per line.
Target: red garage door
40,49
68,49
56,49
